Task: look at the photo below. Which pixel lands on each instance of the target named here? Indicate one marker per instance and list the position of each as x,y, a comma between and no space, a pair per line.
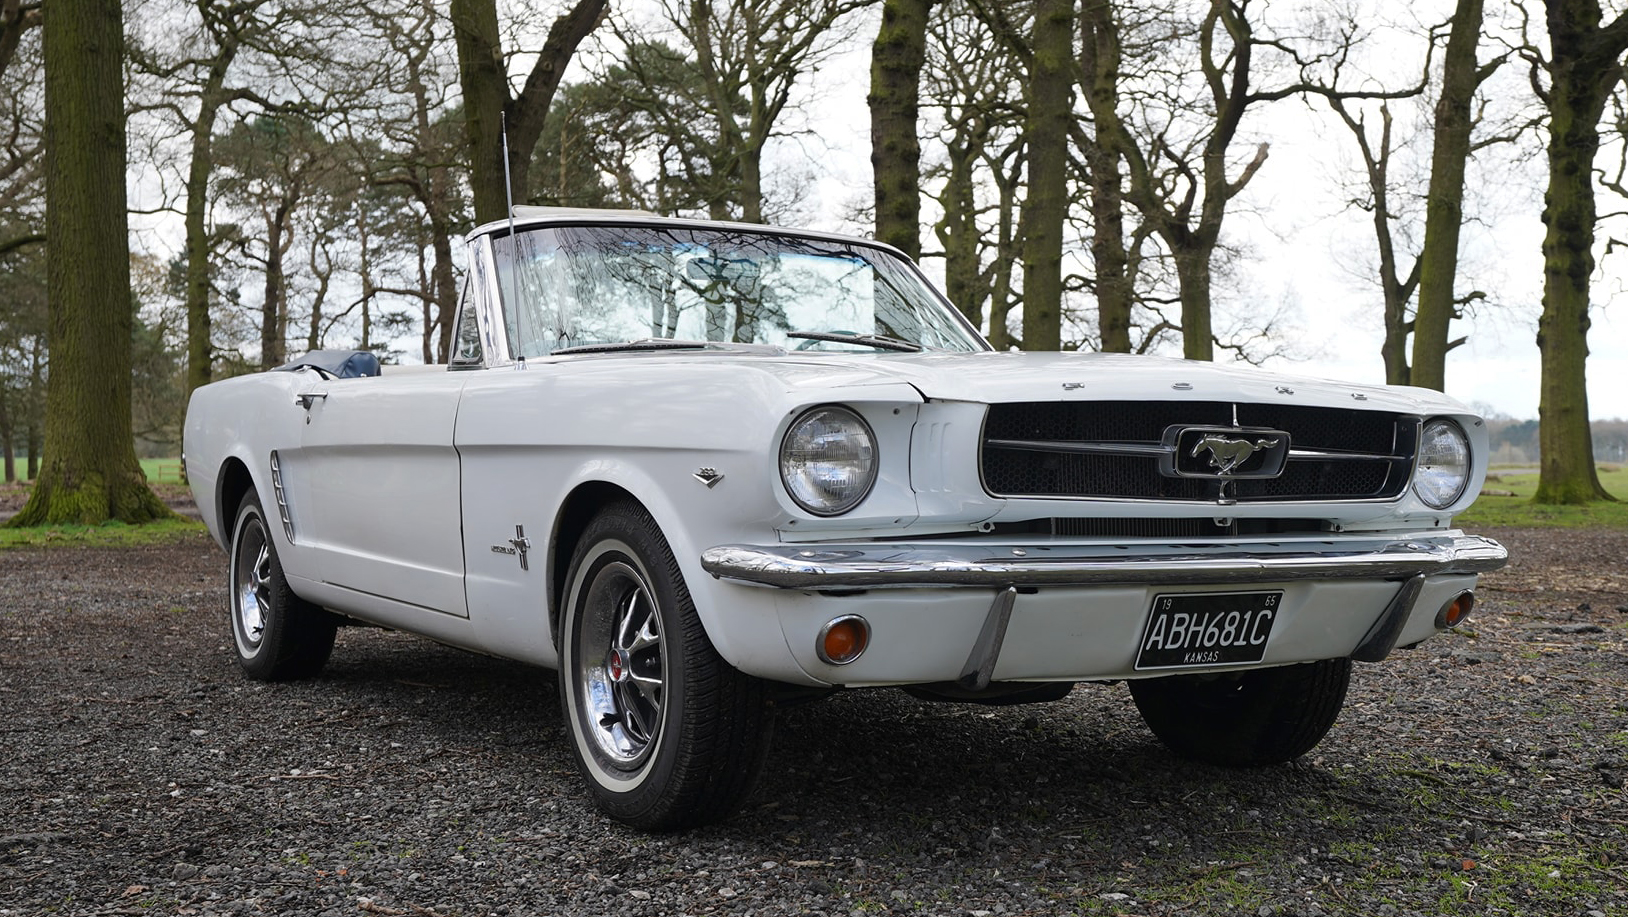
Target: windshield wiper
879,341
646,344
662,344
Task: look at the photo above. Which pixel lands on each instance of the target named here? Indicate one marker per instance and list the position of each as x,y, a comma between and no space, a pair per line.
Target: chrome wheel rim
251,593
621,664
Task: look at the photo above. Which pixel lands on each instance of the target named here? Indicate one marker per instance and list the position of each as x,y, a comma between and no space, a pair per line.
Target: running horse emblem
1227,454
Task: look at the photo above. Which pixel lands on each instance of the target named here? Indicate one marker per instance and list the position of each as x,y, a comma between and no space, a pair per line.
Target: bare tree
1181,168
422,153
638,134
269,165
970,86
750,54
22,137
1396,282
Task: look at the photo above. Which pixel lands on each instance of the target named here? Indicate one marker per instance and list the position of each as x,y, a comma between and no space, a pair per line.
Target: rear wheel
278,635
666,733
1240,719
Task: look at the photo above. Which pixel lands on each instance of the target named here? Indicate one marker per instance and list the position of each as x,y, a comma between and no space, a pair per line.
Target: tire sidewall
255,658
603,547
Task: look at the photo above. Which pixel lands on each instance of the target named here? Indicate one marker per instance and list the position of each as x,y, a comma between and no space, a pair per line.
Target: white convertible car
702,468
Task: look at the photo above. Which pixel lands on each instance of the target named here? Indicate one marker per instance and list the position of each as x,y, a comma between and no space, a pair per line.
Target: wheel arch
233,482
576,511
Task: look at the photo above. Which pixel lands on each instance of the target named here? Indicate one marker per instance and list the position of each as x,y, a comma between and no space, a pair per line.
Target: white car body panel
415,496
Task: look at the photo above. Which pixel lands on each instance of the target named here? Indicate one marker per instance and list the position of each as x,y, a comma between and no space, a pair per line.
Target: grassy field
109,535
1506,500
164,475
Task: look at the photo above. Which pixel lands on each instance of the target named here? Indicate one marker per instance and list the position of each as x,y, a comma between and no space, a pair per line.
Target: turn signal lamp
1455,612
843,639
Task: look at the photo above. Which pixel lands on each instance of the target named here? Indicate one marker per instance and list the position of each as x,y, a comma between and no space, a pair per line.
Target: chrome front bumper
874,565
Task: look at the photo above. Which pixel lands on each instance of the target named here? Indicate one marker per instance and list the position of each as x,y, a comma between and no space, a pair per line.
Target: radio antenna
514,244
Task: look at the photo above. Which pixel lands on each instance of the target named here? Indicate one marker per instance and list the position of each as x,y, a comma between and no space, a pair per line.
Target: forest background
1350,187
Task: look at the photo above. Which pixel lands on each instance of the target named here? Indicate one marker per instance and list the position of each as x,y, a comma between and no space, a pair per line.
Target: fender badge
708,476
517,546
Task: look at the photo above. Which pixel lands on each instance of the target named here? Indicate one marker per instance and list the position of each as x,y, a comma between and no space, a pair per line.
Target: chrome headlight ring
828,461
1443,468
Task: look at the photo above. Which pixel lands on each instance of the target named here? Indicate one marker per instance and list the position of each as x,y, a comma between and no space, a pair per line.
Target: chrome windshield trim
869,565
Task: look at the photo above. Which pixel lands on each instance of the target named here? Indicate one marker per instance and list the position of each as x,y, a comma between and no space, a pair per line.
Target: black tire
278,635
667,734
1245,719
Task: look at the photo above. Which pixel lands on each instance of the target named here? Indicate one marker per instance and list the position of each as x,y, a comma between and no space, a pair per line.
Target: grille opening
1370,453
1070,527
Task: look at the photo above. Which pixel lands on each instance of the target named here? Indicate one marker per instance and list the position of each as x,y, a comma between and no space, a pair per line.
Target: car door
379,484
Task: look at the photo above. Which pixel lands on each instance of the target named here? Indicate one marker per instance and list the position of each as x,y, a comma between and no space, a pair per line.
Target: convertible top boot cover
339,364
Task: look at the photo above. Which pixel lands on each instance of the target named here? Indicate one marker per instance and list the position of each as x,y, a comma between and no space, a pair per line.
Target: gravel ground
1480,774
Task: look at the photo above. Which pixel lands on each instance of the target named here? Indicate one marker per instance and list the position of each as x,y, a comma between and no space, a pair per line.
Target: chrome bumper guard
876,565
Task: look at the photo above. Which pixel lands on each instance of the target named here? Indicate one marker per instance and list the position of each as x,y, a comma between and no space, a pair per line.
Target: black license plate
1203,629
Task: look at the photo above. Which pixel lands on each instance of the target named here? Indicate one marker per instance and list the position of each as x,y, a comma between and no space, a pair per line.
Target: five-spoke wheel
624,689
667,734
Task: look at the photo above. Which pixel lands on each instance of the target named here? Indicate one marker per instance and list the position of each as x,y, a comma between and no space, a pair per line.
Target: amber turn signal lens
1455,612
843,639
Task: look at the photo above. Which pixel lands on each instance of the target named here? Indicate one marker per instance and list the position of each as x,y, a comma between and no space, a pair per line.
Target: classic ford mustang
701,468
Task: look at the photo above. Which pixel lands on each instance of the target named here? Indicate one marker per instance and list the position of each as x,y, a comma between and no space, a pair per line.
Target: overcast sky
1309,251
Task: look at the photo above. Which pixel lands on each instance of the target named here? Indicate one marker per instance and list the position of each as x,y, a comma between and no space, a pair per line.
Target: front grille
1113,449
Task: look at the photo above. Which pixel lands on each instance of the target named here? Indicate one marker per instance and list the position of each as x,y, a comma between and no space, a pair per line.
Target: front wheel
666,733
1243,719
278,635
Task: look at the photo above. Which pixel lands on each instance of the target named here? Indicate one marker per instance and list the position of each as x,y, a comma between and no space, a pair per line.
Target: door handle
306,399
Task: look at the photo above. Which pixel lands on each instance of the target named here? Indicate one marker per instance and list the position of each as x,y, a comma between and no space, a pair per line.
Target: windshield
591,285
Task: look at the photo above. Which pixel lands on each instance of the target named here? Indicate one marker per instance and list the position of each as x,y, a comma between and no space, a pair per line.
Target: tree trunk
1001,299
1051,111
33,436
8,452
487,99
1099,68
486,94
91,474
896,62
1444,203
200,350
751,189
1193,279
274,310
444,283
957,230
1583,70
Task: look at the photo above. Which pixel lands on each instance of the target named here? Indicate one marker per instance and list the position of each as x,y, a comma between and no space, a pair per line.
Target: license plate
1204,629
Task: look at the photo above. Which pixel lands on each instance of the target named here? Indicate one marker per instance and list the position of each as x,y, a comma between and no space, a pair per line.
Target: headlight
1444,464
828,460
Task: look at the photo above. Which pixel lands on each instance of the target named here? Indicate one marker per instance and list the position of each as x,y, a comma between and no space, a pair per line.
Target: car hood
1012,377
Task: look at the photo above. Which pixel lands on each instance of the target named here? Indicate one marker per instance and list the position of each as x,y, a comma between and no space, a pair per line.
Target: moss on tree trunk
90,473
1584,69
1051,108
896,62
